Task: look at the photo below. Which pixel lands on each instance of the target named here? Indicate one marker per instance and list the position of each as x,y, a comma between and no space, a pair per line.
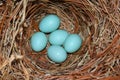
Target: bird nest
96,21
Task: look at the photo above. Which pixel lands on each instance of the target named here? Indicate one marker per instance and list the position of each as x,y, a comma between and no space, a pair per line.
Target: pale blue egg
49,23
72,43
38,41
57,54
58,37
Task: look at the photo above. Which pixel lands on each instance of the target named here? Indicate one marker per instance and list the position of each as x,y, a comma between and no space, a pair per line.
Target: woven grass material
96,21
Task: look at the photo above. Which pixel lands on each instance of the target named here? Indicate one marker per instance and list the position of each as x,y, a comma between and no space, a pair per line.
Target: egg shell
72,43
56,53
38,41
58,37
49,23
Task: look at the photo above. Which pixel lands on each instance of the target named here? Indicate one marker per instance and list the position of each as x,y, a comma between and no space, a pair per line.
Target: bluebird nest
96,21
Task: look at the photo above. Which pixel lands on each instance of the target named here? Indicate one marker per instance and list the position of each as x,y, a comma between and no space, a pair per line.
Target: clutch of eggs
61,41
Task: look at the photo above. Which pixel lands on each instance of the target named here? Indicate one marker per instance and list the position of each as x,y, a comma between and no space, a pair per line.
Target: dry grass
97,21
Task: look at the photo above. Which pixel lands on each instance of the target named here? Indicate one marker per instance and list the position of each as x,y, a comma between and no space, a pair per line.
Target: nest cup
97,22
70,21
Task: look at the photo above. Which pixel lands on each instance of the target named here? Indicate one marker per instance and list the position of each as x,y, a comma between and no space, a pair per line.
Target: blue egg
49,23
57,54
38,41
72,43
58,37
